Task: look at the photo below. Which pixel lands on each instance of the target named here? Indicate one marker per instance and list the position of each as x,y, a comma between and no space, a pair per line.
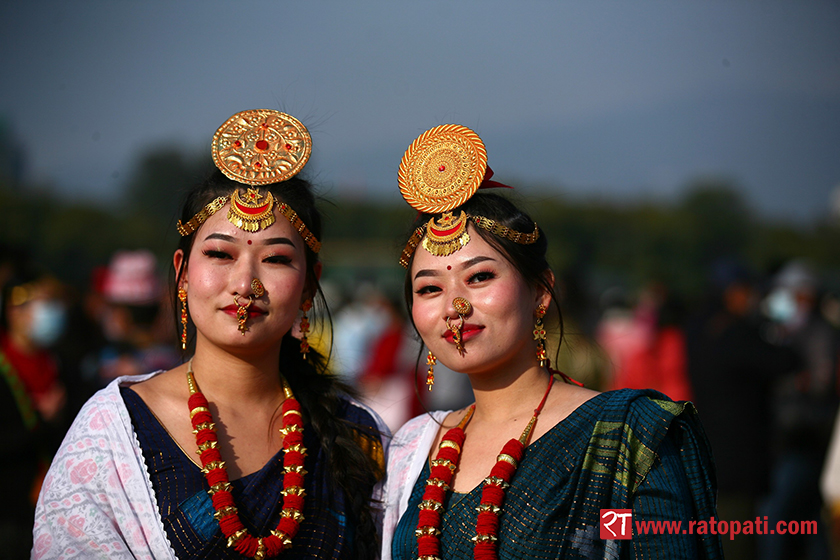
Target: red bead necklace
492,493
217,477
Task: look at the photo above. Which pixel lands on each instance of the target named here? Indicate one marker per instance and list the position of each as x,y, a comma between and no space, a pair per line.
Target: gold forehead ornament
257,147
440,171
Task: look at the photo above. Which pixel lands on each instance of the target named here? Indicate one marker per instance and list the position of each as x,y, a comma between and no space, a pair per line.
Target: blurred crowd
59,346
757,355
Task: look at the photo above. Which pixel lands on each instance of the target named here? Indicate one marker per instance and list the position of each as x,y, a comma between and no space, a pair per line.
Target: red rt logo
616,524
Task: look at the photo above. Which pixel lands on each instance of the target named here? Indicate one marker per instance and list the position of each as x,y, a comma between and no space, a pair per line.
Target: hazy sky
614,98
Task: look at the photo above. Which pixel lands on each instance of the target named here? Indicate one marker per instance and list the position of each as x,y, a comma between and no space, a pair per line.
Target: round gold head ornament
440,171
257,147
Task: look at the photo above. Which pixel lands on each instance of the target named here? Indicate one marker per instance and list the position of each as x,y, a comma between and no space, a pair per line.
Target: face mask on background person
47,323
780,306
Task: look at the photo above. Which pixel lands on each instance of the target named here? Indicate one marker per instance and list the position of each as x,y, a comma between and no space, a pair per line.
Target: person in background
830,487
138,340
33,320
31,394
79,348
386,383
732,367
579,349
804,403
617,332
358,325
250,449
658,361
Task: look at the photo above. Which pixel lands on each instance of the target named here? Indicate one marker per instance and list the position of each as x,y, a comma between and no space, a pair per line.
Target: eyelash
485,274
278,259
426,290
213,254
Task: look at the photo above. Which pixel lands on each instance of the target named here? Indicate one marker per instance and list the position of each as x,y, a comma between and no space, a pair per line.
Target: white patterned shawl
97,499
406,456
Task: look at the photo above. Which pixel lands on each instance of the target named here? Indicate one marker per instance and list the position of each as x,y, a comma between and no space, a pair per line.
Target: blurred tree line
602,243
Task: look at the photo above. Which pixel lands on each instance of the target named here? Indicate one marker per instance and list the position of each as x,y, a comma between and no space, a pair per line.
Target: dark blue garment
187,512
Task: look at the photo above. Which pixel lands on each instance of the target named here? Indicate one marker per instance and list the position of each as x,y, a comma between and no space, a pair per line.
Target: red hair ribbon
486,183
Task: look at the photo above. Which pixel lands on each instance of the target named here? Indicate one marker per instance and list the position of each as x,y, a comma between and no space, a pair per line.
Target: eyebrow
221,236
463,266
269,241
474,261
278,241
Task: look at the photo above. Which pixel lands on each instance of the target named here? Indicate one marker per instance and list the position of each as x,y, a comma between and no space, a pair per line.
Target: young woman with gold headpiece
250,449
528,470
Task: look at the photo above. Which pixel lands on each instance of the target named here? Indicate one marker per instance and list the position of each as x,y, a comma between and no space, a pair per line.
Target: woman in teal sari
529,469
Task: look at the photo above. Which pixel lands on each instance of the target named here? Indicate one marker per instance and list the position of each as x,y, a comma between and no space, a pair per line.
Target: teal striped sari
623,449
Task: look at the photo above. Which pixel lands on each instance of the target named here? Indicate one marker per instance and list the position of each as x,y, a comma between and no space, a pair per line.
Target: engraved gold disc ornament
261,146
442,168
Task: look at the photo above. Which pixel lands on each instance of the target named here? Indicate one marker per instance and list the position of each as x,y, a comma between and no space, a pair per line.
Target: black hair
529,260
319,392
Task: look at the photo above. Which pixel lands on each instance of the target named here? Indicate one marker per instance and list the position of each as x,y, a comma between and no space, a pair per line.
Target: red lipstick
253,311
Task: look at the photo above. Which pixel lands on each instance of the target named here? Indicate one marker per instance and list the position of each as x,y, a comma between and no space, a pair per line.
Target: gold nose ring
257,287
245,305
462,306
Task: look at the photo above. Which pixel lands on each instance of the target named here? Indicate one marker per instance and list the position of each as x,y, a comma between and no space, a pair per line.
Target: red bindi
449,267
249,242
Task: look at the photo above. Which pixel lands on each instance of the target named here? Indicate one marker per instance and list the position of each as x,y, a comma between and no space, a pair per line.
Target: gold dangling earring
182,295
304,327
539,336
430,377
